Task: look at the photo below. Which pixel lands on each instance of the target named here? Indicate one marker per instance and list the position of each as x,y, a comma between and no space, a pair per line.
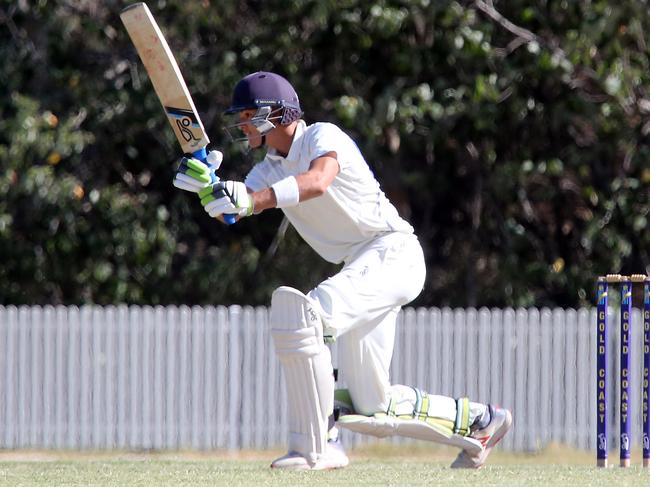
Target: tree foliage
513,135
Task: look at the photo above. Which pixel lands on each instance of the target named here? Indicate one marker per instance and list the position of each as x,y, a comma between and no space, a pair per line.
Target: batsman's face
250,131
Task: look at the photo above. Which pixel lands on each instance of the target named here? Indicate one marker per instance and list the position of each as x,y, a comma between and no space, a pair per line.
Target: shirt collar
296,146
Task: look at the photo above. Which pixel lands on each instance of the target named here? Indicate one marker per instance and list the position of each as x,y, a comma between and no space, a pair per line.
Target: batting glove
192,175
227,197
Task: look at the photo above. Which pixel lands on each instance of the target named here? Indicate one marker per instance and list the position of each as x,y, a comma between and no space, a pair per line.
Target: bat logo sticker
185,121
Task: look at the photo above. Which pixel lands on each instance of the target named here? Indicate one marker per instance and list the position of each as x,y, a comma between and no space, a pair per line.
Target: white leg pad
415,414
297,333
383,425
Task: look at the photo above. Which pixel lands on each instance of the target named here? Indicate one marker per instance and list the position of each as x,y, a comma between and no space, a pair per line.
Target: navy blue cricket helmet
270,94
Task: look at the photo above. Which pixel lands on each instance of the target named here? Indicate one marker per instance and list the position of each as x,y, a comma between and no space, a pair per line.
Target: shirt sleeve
255,179
327,137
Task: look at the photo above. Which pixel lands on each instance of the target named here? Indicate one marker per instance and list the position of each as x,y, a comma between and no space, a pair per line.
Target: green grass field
375,466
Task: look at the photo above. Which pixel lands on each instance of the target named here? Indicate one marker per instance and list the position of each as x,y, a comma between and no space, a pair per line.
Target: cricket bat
168,82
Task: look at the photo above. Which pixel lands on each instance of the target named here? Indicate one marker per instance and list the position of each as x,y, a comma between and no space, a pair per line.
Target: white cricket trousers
360,304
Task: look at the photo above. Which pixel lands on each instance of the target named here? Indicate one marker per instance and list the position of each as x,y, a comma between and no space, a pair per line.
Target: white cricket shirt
352,212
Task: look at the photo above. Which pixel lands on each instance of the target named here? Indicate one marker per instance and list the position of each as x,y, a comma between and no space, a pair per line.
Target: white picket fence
120,377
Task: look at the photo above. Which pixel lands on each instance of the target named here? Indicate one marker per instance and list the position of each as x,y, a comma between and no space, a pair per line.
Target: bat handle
202,155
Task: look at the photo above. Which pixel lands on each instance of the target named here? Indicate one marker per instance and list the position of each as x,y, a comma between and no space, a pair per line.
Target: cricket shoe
334,457
489,436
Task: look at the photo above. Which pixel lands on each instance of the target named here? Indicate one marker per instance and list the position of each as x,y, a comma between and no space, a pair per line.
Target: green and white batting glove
227,197
192,175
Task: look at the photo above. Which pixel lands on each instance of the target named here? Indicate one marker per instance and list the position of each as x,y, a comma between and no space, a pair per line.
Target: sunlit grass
376,465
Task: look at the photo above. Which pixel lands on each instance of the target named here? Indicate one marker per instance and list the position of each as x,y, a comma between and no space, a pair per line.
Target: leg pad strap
300,342
461,426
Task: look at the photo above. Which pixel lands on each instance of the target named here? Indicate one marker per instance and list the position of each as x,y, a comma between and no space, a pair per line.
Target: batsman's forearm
263,200
310,184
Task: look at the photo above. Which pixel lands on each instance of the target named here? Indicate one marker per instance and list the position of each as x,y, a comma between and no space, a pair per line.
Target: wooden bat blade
165,76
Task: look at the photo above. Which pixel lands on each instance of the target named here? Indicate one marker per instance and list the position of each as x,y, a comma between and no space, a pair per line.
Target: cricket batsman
318,177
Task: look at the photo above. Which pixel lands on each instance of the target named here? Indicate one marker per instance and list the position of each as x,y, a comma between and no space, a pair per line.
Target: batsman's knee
296,326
